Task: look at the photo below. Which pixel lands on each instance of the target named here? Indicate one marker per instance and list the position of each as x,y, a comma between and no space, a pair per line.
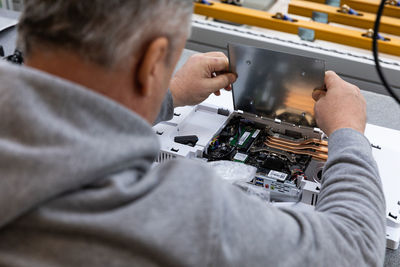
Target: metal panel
274,84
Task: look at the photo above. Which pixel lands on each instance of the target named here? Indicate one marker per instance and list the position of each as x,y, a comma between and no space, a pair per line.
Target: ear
148,70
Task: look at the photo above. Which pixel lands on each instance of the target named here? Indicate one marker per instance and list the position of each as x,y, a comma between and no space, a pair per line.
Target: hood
56,136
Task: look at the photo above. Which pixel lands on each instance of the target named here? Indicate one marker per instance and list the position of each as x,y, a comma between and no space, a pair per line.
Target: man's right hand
342,106
202,75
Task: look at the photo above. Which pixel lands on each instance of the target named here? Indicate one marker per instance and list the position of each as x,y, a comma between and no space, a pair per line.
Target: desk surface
382,110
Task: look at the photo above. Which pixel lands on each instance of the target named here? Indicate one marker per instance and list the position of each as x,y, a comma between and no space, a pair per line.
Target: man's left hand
202,75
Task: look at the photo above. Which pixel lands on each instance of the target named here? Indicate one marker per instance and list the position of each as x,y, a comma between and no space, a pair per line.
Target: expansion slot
370,6
362,20
322,31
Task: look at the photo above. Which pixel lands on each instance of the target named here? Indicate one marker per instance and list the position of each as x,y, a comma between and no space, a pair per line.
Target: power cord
375,52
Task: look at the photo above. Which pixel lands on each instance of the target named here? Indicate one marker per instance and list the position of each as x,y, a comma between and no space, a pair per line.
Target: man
76,149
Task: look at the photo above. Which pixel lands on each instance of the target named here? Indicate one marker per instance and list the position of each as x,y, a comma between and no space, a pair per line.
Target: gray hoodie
77,189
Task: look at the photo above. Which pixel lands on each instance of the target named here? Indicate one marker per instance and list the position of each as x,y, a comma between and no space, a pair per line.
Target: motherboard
282,160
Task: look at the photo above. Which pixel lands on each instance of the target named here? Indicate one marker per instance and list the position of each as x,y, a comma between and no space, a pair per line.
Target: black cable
375,52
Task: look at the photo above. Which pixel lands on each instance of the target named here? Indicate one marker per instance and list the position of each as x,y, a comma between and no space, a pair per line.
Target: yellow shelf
370,6
366,21
322,31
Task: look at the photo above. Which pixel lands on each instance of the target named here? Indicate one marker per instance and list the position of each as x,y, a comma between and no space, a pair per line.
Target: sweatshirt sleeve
347,228
167,109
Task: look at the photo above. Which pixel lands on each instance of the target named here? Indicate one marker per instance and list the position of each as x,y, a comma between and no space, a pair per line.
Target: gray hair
102,31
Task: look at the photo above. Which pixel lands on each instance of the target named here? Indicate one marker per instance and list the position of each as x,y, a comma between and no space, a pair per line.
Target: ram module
244,141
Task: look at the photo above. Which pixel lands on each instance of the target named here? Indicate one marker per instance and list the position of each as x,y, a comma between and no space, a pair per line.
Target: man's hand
342,106
202,75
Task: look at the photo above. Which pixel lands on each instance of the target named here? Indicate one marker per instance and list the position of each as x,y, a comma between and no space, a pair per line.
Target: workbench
382,110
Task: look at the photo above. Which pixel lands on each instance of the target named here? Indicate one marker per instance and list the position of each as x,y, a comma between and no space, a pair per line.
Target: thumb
221,81
332,79
216,64
317,94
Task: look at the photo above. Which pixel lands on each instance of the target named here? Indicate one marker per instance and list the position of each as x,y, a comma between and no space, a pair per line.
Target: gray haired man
76,149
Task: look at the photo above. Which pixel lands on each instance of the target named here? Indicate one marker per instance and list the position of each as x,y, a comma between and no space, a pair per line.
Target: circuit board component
281,161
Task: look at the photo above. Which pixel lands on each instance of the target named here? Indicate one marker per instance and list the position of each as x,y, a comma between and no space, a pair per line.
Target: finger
332,79
221,81
217,93
334,82
316,113
215,54
228,88
317,94
216,64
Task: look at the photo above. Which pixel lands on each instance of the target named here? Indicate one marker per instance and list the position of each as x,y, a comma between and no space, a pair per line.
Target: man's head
140,39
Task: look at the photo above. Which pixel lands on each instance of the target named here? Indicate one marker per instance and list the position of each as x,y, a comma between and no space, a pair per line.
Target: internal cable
375,52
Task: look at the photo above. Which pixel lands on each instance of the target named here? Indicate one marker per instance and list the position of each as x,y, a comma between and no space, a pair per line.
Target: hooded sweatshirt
77,189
